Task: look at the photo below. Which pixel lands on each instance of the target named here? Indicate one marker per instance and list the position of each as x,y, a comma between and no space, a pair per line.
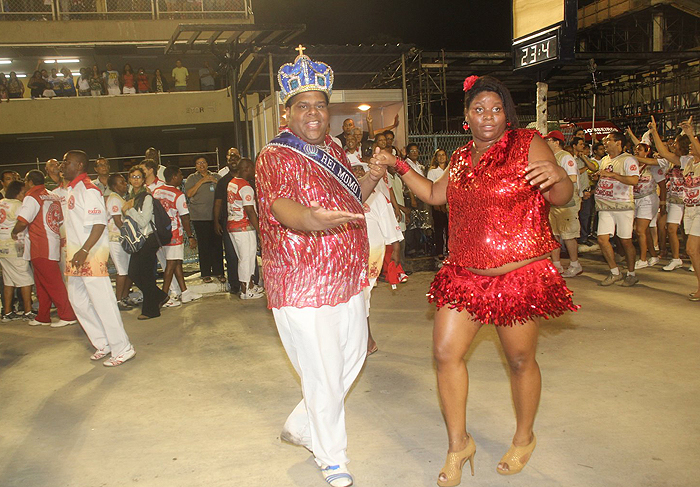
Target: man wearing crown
315,253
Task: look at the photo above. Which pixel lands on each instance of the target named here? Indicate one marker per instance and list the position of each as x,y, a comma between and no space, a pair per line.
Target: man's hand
79,258
321,219
128,205
607,174
217,228
193,241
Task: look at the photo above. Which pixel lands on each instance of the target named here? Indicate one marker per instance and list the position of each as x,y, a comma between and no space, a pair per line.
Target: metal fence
122,9
429,143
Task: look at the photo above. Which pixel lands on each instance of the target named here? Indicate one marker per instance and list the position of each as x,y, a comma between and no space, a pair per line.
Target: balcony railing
123,9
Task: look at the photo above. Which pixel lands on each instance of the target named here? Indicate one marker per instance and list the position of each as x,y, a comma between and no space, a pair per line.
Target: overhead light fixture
364,107
61,61
179,129
35,137
21,75
5,61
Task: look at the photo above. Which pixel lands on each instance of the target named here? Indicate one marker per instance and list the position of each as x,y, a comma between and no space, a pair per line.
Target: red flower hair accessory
469,82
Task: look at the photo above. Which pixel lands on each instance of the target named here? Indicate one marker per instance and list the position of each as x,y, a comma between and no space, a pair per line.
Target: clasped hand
544,174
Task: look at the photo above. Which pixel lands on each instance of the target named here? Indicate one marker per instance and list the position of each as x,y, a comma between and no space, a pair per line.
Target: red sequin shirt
496,216
308,269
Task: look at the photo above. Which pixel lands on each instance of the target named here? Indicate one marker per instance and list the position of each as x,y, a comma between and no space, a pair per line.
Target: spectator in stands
16,272
154,154
160,83
181,76
128,80
564,218
199,188
53,175
142,83
143,263
89,286
7,176
36,85
3,80
352,151
233,157
112,80
41,213
412,155
102,179
390,142
614,200
150,169
173,201
67,83
4,95
96,82
348,126
380,142
84,83
438,165
579,133
242,226
206,78
15,88
55,85
115,202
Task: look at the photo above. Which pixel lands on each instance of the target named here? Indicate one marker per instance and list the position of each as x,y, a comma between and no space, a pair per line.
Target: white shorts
616,223
647,207
245,244
691,220
120,258
174,252
128,91
16,272
114,91
675,213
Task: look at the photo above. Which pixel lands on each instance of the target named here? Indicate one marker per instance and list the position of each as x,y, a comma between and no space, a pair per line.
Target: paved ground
203,402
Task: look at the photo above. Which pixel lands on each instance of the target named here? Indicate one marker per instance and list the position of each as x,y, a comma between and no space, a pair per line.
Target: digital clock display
535,52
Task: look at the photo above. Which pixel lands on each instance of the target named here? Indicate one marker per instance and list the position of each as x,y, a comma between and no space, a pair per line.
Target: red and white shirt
675,181
308,269
239,193
41,212
691,183
84,209
611,194
8,218
175,204
157,183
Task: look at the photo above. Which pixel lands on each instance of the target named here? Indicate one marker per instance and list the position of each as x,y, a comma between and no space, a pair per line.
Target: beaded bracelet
402,167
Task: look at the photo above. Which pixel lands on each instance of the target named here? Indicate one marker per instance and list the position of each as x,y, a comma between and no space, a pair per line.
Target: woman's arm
143,218
633,137
661,147
544,173
687,128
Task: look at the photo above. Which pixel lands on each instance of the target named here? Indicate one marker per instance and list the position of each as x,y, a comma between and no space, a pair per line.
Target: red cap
555,134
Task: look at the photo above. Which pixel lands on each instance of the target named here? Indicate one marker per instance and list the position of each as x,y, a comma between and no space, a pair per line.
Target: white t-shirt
675,181
611,194
396,184
568,163
435,173
659,172
86,208
8,219
691,183
114,207
416,166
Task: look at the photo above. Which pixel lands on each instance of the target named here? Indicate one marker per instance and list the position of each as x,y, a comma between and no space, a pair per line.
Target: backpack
163,228
131,238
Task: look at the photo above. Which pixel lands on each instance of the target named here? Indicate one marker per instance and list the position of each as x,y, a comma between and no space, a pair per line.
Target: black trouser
440,229
211,256
585,217
231,263
142,271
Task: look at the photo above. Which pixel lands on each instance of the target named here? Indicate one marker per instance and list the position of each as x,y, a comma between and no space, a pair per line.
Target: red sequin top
308,269
496,217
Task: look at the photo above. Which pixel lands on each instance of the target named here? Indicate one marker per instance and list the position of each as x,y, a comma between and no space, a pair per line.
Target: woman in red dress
499,188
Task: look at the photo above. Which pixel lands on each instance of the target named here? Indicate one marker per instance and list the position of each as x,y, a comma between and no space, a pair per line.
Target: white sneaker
641,264
173,302
189,295
258,289
252,294
653,261
691,268
101,353
337,475
674,264
560,268
61,323
35,322
121,358
572,271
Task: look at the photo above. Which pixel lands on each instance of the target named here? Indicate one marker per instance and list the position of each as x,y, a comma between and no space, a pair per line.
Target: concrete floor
203,402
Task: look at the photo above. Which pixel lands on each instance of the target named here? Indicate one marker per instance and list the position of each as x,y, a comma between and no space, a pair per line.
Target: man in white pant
314,249
87,246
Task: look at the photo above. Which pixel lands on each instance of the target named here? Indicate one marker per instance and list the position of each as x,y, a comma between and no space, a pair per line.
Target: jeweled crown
304,75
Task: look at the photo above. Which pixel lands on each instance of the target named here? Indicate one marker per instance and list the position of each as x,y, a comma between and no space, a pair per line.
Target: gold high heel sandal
517,457
454,463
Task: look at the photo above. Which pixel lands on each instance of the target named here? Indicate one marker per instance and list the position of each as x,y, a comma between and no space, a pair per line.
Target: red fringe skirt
534,290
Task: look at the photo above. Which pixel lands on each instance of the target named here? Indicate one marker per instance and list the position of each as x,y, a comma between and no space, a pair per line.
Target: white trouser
327,347
95,306
174,286
245,244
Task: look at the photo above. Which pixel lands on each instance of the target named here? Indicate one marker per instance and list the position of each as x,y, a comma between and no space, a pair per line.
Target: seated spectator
96,82
120,257
242,226
36,85
206,78
143,263
159,83
15,88
180,76
67,83
142,83
16,272
173,200
84,83
128,80
112,80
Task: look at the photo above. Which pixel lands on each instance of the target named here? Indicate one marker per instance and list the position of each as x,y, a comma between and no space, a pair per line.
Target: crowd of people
110,81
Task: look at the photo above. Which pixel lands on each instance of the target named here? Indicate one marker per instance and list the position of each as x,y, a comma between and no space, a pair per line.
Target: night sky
459,25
